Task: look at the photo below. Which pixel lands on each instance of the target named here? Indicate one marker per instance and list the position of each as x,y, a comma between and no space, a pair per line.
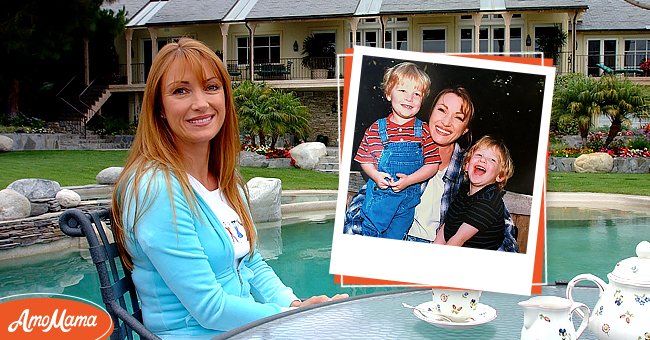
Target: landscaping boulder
109,175
265,199
307,155
253,159
561,164
35,188
594,162
13,205
6,143
68,198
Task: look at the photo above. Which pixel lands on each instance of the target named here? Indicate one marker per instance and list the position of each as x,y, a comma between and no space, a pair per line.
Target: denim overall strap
418,128
382,131
386,213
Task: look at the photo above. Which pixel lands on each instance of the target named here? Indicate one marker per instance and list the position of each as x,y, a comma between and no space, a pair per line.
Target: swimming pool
579,241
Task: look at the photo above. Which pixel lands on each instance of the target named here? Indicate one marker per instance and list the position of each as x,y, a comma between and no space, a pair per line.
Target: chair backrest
115,283
605,68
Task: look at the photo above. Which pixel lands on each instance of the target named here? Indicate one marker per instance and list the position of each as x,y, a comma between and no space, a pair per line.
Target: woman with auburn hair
180,207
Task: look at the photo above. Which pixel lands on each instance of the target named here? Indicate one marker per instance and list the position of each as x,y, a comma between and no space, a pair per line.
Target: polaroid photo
511,105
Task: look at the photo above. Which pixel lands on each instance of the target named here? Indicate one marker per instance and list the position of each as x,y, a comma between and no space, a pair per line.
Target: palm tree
297,116
264,111
573,100
619,100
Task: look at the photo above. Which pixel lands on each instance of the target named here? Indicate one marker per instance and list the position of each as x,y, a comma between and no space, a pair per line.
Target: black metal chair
114,287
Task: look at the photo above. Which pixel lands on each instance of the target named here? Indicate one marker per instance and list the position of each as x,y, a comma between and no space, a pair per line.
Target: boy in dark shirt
475,216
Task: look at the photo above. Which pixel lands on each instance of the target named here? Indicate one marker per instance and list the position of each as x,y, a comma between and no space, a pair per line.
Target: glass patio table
381,316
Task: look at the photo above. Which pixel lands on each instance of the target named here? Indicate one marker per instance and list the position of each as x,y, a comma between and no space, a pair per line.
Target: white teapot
550,317
623,307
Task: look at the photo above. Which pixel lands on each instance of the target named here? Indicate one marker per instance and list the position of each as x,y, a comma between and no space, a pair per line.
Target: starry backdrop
507,104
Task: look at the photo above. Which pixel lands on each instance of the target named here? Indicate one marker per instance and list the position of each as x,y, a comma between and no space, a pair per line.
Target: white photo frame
441,265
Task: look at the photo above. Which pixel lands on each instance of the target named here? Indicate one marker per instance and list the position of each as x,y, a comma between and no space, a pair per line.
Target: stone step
327,166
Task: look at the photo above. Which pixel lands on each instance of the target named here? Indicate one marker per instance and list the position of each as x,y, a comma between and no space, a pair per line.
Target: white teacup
456,304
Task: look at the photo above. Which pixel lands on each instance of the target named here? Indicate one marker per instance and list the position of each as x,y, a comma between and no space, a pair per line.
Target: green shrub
567,125
640,143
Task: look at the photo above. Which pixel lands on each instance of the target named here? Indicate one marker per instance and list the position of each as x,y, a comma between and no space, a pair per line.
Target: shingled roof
617,15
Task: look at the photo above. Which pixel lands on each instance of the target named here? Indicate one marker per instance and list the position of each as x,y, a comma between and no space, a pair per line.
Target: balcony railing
283,69
624,64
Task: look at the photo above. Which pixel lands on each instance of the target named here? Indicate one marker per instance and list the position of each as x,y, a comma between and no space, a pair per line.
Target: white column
129,72
477,26
153,33
354,23
507,18
224,42
384,22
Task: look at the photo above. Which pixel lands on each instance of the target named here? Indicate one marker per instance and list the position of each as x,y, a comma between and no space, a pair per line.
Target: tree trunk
14,96
614,129
262,138
274,140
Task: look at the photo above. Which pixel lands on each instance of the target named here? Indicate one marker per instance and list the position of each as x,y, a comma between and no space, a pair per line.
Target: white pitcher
550,317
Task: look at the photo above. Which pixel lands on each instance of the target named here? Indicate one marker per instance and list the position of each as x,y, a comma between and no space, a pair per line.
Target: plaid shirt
453,180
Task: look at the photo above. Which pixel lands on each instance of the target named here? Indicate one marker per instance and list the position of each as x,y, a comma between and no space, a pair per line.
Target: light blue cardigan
184,272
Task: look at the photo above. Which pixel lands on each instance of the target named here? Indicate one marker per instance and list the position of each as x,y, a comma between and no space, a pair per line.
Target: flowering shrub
570,152
645,65
627,152
269,152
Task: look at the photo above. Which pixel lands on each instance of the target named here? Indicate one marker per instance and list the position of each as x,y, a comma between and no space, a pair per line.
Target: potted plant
319,56
551,41
645,66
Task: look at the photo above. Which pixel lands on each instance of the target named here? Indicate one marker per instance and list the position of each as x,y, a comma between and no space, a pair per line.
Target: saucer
482,314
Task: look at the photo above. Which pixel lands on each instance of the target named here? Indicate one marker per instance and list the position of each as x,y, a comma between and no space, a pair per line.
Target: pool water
591,240
579,241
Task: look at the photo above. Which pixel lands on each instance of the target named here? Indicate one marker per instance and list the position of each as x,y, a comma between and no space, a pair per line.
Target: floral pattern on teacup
473,304
465,295
455,309
544,317
599,311
645,336
444,297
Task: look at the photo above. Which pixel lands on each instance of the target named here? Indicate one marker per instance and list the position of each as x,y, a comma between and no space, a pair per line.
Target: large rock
35,188
265,195
594,162
561,164
68,198
307,155
253,159
13,205
109,175
6,143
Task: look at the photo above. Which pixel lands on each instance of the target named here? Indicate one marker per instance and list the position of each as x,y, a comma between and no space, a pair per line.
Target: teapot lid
634,270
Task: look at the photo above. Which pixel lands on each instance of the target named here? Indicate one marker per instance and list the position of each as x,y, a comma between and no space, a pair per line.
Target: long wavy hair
467,108
154,147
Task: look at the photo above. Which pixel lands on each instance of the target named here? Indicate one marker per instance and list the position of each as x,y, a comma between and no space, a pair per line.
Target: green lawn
613,183
71,168
80,167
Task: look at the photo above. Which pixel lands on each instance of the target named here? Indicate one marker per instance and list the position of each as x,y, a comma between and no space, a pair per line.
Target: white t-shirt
226,215
427,213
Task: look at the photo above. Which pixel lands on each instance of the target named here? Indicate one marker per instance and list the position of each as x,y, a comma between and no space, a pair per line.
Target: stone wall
629,165
323,121
40,229
61,141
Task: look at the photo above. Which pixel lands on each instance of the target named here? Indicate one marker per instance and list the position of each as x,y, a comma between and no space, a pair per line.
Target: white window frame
435,28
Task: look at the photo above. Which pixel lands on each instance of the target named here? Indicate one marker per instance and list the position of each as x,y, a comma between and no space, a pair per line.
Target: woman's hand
314,300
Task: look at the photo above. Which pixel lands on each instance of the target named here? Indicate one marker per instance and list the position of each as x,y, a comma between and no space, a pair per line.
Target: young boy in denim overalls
397,152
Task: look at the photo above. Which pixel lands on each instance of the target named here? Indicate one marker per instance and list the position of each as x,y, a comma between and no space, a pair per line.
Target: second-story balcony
285,69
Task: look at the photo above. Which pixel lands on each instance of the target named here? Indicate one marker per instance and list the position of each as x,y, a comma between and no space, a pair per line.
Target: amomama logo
52,318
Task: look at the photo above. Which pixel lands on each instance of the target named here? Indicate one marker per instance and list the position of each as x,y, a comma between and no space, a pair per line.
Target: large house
269,35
